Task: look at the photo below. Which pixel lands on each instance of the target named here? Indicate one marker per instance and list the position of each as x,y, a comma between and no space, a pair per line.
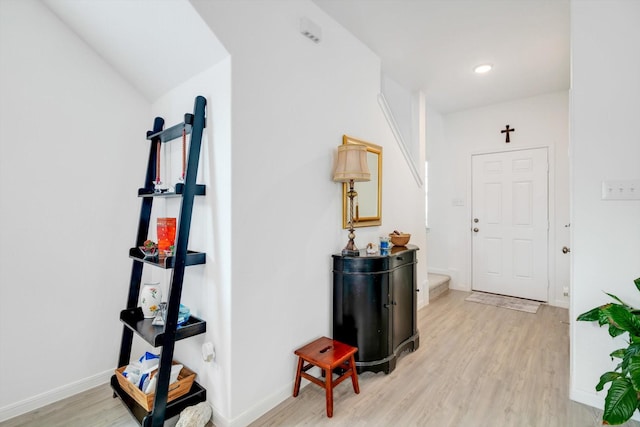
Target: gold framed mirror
368,203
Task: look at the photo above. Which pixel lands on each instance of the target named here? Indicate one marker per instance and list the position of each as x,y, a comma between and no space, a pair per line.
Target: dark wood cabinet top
394,250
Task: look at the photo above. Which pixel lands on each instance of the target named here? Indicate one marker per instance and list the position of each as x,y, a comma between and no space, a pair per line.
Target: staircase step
438,285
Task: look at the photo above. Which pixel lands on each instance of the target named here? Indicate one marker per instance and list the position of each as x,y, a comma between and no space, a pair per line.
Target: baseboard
218,419
460,287
560,303
590,399
46,398
22,407
258,410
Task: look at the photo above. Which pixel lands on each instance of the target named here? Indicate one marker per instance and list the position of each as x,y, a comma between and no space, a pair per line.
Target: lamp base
351,249
350,252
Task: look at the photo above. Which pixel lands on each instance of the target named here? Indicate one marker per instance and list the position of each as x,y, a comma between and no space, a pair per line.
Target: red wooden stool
328,355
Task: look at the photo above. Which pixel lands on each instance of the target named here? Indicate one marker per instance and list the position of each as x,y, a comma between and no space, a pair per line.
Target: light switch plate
622,189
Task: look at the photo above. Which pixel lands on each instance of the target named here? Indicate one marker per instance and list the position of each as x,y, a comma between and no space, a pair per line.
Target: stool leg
354,375
329,388
296,386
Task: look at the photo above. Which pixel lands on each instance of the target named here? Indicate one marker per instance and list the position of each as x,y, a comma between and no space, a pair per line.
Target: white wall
269,224
399,100
539,121
605,103
292,100
87,133
435,140
71,138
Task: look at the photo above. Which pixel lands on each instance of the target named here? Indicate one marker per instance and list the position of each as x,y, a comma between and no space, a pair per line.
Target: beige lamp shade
352,163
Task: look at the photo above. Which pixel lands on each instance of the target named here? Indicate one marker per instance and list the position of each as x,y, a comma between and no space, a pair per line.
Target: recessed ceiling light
483,68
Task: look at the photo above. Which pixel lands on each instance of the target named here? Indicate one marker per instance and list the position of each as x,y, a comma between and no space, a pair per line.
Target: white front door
510,223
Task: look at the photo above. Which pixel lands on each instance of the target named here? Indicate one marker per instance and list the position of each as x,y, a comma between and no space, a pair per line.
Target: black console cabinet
374,306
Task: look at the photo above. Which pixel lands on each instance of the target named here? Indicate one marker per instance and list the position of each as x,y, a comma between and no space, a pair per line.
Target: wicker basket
399,239
177,389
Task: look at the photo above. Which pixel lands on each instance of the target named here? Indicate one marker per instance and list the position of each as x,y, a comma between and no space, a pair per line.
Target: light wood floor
477,366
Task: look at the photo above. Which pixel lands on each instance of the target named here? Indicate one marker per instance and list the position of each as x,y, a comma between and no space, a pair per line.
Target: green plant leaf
630,352
634,372
619,353
598,313
615,331
619,300
622,318
606,378
590,316
637,283
620,403
604,317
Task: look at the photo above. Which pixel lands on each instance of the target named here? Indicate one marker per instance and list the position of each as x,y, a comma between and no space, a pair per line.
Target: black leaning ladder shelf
132,317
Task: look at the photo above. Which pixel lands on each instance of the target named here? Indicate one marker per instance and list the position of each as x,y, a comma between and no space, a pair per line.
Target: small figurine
161,314
371,248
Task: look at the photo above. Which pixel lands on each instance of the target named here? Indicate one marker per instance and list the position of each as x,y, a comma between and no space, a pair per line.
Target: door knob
565,250
475,230
476,220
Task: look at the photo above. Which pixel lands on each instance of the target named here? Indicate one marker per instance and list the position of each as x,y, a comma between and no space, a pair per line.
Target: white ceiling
433,45
155,45
427,45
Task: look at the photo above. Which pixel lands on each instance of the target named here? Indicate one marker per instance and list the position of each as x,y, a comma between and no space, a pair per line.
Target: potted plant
623,396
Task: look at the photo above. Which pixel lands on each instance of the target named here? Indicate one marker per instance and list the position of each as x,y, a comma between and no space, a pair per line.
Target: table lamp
351,166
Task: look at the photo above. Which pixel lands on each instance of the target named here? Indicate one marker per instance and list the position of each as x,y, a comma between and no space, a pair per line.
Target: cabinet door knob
399,258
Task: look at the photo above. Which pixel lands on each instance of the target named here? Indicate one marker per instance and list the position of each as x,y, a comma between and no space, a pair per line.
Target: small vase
150,298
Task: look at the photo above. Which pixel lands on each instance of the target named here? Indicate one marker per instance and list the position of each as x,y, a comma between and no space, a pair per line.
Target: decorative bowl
399,239
148,251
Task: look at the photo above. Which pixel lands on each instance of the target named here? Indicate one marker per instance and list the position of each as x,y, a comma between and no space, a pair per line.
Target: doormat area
505,302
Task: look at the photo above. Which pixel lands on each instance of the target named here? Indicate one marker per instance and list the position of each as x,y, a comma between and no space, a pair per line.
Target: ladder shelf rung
193,258
199,190
154,335
196,395
174,132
